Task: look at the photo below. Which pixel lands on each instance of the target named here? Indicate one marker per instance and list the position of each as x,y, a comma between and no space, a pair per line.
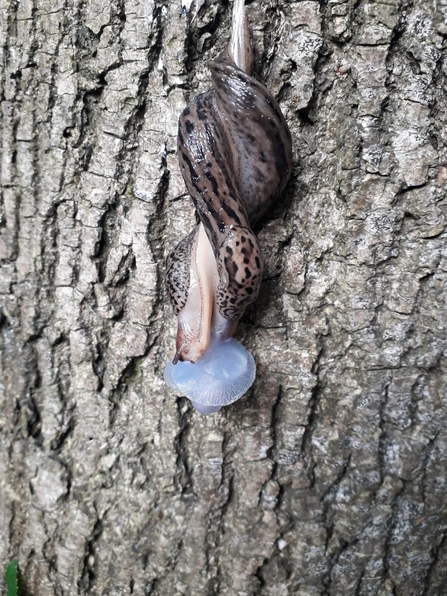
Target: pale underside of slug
234,151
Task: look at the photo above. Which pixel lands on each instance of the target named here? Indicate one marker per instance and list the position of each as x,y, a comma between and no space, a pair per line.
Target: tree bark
329,477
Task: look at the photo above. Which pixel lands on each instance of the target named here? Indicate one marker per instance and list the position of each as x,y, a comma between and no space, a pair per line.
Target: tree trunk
329,477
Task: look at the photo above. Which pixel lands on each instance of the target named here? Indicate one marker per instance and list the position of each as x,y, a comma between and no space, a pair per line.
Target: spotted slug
235,154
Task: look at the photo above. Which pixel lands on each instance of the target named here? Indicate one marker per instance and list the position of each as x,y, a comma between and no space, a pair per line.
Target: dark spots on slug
193,176
231,213
213,181
230,266
207,159
209,135
259,174
213,213
208,224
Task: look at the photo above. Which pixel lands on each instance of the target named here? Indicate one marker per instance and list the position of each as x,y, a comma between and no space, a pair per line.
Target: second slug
235,153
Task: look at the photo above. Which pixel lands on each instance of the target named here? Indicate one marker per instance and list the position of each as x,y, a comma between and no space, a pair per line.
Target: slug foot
223,374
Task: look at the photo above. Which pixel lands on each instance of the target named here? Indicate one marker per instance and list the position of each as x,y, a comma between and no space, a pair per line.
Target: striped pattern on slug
258,138
234,150
206,165
177,272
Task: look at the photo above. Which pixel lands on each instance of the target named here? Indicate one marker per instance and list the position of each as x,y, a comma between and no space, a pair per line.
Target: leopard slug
235,154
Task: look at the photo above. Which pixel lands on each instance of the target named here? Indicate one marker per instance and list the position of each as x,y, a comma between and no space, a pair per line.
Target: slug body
234,150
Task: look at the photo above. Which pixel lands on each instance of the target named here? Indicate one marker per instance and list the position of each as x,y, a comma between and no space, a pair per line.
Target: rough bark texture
329,478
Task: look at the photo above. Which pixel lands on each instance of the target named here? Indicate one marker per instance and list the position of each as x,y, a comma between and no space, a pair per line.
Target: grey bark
329,478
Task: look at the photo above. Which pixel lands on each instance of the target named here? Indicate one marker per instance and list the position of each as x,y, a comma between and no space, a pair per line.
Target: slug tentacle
234,150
